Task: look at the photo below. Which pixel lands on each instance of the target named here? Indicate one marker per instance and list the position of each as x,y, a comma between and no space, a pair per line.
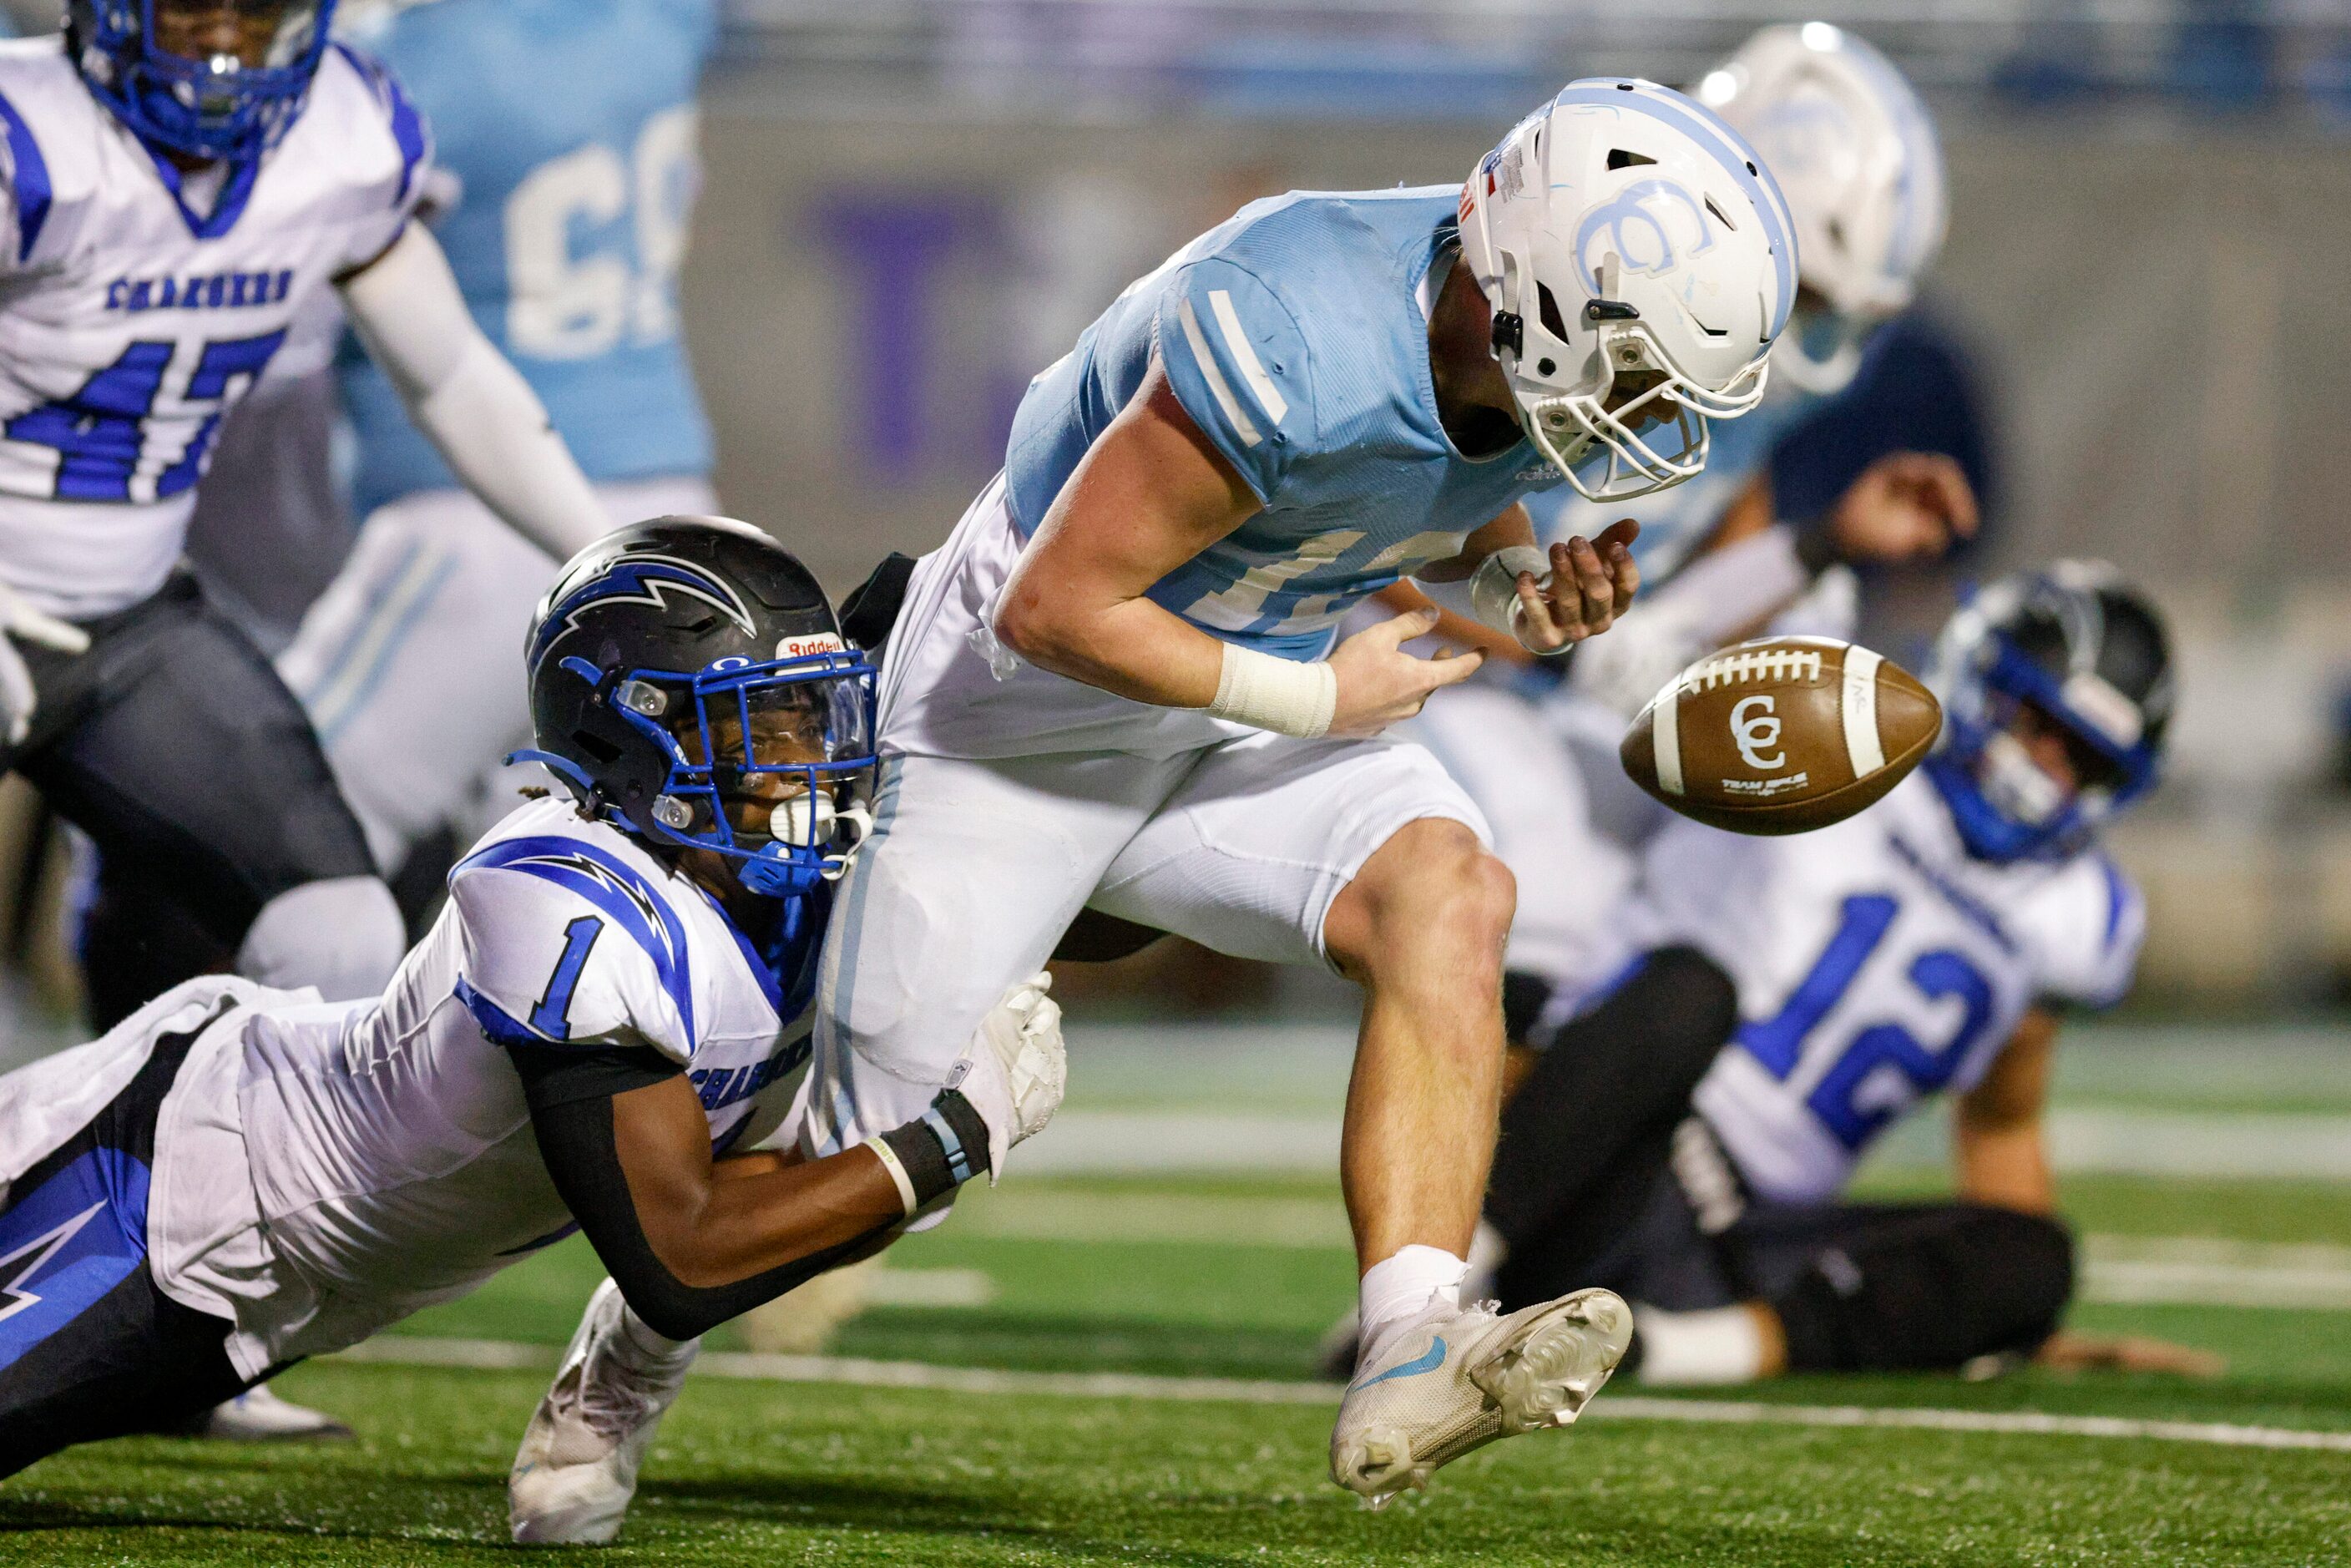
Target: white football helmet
1853,148
1636,253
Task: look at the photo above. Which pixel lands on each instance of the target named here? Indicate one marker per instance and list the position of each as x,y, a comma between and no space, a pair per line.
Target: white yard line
2216,1271
2210,1272
2104,1139
502,1355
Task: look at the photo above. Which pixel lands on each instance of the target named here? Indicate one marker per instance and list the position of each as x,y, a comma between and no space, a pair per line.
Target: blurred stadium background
914,204
2137,334
2138,338
2140,334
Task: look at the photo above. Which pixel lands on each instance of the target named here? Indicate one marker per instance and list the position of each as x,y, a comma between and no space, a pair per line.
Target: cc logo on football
1753,726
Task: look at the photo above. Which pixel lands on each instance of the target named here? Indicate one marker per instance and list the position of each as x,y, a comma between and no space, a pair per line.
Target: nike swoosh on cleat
1430,1362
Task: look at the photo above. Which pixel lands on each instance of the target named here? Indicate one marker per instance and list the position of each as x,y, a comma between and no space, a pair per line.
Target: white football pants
976,868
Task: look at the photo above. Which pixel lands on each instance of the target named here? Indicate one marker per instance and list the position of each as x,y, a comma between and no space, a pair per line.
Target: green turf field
1133,1274
1236,1273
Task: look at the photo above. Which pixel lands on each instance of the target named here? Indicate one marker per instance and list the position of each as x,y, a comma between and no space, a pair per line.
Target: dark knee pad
1693,1008
1613,1080
138,941
1929,1289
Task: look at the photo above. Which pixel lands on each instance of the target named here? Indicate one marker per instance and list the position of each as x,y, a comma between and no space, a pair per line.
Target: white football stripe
1214,377
1229,323
1665,737
1862,745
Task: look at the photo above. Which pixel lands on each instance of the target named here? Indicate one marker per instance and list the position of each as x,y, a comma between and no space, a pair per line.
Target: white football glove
1650,645
1016,1069
18,619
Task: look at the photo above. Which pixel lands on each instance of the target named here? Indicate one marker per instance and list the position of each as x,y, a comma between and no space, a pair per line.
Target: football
1781,734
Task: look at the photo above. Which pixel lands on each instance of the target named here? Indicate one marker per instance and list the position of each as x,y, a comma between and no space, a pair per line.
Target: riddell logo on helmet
1649,227
813,642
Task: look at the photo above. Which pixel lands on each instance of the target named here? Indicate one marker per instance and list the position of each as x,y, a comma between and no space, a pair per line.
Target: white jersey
323,1170
131,319
1876,964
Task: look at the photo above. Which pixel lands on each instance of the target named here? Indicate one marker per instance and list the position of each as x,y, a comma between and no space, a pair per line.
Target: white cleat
577,1468
258,1415
1456,1379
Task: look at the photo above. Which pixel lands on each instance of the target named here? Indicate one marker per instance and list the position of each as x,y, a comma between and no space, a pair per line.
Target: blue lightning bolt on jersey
1296,336
570,126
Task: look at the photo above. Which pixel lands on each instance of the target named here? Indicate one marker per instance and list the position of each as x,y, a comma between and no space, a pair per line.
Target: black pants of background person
173,745
1604,1176
95,1348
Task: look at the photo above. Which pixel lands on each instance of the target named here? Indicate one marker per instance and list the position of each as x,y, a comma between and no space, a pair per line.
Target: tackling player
1115,685
182,177
603,1031
1687,1135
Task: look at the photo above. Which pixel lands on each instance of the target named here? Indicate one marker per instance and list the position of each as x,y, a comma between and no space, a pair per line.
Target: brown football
1781,734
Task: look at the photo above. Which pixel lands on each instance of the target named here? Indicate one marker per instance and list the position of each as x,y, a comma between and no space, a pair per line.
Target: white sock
1702,1349
1400,1287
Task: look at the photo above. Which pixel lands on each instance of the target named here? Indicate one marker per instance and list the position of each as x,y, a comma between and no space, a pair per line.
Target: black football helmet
2086,650
675,661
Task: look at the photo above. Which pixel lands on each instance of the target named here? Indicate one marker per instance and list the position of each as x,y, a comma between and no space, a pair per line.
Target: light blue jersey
1296,336
1676,523
570,125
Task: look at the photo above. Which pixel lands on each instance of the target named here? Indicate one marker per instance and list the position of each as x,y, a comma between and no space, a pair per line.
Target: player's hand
1906,506
2070,1352
20,620
1017,1069
1380,684
1591,582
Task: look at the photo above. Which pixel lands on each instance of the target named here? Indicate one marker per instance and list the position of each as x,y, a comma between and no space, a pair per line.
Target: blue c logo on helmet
637,579
1649,227
1802,133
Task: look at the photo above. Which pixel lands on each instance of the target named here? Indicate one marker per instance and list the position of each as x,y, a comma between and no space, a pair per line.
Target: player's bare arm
1150,495
473,405
1997,1133
690,1247
2004,1161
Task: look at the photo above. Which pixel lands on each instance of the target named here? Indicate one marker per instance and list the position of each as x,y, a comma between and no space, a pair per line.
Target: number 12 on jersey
102,433
1778,1041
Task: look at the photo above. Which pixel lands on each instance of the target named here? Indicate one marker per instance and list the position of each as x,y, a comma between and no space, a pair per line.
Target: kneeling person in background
1701,1100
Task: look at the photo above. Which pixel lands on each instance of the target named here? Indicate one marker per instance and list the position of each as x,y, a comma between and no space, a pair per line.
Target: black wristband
943,1148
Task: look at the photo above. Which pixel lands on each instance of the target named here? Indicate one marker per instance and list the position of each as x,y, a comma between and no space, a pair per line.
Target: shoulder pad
1239,363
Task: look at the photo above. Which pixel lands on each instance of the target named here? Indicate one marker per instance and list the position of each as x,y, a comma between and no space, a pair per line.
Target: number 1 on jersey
551,1014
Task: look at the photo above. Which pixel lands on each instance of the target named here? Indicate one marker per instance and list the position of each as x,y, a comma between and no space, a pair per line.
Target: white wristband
897,1169
1494,587
1285,695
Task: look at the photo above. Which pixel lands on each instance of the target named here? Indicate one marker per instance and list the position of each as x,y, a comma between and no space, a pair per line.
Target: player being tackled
1126,660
